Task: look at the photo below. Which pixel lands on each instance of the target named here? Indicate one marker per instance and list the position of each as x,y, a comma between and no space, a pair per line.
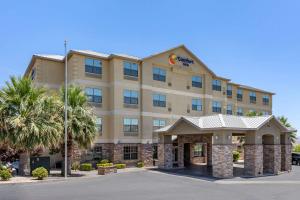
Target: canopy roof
227,122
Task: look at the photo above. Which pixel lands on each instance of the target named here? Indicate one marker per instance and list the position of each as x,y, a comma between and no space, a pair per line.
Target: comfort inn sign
183,60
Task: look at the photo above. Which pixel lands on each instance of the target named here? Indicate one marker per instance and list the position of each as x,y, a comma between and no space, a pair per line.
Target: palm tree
29,118
81,122
285,122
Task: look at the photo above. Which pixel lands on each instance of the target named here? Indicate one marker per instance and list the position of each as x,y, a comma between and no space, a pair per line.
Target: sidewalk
55,176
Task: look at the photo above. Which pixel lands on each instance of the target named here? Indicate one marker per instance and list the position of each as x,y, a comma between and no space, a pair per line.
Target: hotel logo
183,60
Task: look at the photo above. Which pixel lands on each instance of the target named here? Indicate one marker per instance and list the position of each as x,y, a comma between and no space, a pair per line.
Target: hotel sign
173,58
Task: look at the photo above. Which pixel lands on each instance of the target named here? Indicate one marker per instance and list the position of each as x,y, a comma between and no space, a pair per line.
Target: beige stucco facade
177,88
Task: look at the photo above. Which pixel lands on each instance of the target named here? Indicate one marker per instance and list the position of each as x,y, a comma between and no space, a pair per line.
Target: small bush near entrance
105,165
5,175
296,148
86,167
120,166
236,156
140,164
40,173
75,166
104,161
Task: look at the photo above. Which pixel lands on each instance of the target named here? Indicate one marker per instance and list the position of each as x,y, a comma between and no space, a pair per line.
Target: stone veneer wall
253,159
286,157
268,158
277,159
147,154
272,158
222,162
165,156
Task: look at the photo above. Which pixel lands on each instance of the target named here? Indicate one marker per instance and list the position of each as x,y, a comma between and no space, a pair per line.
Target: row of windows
130,69
159,100
130,152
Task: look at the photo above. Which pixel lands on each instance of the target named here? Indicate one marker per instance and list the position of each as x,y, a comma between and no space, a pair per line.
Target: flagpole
66,112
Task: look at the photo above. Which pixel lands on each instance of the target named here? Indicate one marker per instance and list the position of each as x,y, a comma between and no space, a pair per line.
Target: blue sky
256,43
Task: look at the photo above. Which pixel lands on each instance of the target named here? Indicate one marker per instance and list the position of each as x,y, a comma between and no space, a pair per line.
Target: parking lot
157,185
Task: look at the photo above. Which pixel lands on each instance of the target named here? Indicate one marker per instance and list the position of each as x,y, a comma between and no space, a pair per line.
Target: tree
284,121
253,114
29,118
81,122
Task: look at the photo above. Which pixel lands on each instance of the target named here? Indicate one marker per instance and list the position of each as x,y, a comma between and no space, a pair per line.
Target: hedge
40,173
120,166
5,175
86,167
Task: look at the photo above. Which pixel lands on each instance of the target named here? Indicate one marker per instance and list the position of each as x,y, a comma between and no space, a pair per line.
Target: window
130,69
229,91
155,151
94,95
252,96
130,97
99,124
159,74
159,100
97,152
266,100
240,111
216,85
239,95
198,150
197,81
33,73
197,104
130,125
130,152
158,123
216,107
229,109
93,66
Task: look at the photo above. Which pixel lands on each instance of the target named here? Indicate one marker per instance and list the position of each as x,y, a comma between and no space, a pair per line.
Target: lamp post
66,112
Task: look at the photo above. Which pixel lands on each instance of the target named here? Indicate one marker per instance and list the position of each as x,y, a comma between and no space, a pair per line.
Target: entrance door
186,156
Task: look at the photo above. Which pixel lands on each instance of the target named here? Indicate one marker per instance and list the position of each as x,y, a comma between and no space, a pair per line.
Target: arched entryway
268,154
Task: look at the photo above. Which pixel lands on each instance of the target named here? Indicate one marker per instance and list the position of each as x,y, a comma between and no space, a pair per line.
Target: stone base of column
147,154
165,156
277,159
286,157
222,161
253,160
272,159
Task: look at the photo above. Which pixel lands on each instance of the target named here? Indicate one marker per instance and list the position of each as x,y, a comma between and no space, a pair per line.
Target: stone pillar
268,156
272,158
147,154
277,158
286,152
180,152
222,160
286,157
253,159
165,148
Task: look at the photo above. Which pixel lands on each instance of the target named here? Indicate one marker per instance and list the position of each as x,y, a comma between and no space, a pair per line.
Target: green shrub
296,148
86,167
236,156
120,166
40,173
104,161
5,174
105,165
140,164
75,166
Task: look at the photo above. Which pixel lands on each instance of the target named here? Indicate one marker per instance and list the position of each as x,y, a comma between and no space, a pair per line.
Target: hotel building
134,96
